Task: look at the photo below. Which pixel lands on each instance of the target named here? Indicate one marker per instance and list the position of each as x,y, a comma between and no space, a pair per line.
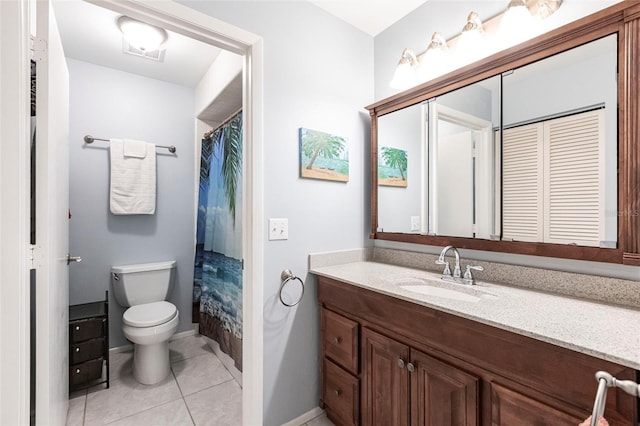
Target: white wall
108,103
222,71
318,73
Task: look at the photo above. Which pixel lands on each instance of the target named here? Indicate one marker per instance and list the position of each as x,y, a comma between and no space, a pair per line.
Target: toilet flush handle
115,276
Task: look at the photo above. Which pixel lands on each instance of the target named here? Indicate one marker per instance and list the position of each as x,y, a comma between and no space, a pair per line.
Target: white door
52,220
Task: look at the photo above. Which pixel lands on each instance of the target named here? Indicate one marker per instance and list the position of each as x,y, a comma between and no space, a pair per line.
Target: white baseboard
226,360
308,416
129,348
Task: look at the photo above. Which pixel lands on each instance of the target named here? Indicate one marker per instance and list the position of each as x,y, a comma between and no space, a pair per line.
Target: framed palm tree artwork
323,156
392,167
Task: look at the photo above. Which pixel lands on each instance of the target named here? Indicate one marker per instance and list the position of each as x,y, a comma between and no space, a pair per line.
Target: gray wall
318,73
108,103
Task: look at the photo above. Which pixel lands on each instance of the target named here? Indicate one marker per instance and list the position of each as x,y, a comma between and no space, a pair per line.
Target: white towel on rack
133,177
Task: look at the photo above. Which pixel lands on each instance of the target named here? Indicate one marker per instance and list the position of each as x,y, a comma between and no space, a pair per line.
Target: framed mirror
529,151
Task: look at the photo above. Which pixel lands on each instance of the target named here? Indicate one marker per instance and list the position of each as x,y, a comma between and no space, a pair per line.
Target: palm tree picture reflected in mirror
392,167
323,156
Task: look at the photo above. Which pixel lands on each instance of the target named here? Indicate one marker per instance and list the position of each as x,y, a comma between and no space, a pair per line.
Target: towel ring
287,276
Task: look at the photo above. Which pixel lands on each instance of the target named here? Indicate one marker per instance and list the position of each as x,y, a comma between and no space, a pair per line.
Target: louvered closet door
522,200
573,177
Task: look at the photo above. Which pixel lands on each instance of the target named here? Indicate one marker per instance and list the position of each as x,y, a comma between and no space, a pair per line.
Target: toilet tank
142,283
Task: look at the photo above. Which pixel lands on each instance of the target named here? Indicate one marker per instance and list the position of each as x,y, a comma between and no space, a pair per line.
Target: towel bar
90,139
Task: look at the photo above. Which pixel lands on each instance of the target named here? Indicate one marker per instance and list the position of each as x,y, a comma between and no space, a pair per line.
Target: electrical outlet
278,229
415,223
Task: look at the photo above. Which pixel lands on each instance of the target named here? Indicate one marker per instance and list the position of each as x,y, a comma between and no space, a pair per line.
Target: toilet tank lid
143,267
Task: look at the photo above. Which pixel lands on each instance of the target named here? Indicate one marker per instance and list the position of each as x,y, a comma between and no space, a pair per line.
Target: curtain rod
90,139
231,117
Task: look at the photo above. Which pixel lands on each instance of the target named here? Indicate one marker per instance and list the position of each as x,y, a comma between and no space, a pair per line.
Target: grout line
183,398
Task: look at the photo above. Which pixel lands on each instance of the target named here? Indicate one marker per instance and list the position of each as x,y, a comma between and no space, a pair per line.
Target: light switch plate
278,229
415,223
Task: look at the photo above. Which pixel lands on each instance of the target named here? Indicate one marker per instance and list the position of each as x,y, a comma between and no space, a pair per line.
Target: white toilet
150,321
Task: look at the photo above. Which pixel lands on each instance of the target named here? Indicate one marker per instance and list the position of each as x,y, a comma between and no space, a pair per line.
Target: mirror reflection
446,168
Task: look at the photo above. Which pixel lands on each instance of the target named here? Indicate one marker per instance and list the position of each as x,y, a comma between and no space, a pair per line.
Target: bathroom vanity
395,354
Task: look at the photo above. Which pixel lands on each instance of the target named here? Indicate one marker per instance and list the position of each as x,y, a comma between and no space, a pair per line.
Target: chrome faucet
456,276
441,261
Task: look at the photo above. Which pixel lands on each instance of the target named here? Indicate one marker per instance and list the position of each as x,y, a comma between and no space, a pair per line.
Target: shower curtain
217,289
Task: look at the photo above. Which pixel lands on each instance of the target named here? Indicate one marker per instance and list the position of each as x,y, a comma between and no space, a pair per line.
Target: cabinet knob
77,349
77,371
336,340
411,367
77,328
400,363
337,392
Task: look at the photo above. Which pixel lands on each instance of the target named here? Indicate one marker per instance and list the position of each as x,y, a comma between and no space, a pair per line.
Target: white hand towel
133,178
137,149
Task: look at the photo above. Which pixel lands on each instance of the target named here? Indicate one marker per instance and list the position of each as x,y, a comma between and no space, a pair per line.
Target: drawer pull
337,340
77,328
400,363
77,371
411,367
338,392
77,349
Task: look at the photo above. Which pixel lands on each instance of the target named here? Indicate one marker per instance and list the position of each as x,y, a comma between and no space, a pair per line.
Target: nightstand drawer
341,394
340,340
82,374
80,331
90,349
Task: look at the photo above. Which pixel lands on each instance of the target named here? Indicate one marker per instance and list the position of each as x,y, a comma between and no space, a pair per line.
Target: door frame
15,101
14,184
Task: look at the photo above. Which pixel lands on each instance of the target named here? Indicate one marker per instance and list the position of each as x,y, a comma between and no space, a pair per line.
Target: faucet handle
447,270
468,276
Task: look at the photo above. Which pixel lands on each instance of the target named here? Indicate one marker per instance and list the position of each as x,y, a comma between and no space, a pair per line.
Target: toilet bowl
150,321
149,326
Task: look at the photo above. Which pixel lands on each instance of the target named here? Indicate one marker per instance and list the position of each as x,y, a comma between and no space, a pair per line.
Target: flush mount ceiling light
405,74
140,35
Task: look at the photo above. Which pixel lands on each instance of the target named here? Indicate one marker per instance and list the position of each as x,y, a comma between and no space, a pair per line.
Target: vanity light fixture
405,73
471,44
141,35
547,8
434,61
517,24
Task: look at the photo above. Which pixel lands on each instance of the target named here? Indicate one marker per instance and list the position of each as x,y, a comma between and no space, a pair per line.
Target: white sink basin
440,292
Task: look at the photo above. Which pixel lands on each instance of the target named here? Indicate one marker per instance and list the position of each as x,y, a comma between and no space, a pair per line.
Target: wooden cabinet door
385,390
442,395
509,407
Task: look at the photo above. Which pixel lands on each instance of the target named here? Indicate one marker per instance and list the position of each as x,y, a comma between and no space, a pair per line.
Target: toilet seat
149,314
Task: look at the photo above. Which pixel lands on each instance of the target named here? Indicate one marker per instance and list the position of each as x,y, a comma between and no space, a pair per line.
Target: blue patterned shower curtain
217,288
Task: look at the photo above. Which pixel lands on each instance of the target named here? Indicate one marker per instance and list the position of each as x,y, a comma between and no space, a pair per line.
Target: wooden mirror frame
622,19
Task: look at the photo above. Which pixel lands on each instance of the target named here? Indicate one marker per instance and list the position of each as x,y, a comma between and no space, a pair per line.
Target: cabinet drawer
84,373
80,331
340,340
90,349
341,394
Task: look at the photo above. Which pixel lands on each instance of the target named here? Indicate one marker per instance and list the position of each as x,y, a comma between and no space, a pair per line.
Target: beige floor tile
170,414
198,373
75,415
120,364
188,347
321,420
219,405
126,397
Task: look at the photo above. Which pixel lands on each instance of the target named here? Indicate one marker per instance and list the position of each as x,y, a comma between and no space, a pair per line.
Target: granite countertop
601,330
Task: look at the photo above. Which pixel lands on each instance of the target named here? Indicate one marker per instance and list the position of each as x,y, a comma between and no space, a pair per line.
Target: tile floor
199,391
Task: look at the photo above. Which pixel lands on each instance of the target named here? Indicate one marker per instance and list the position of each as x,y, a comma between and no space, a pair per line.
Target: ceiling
369,16
89,33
